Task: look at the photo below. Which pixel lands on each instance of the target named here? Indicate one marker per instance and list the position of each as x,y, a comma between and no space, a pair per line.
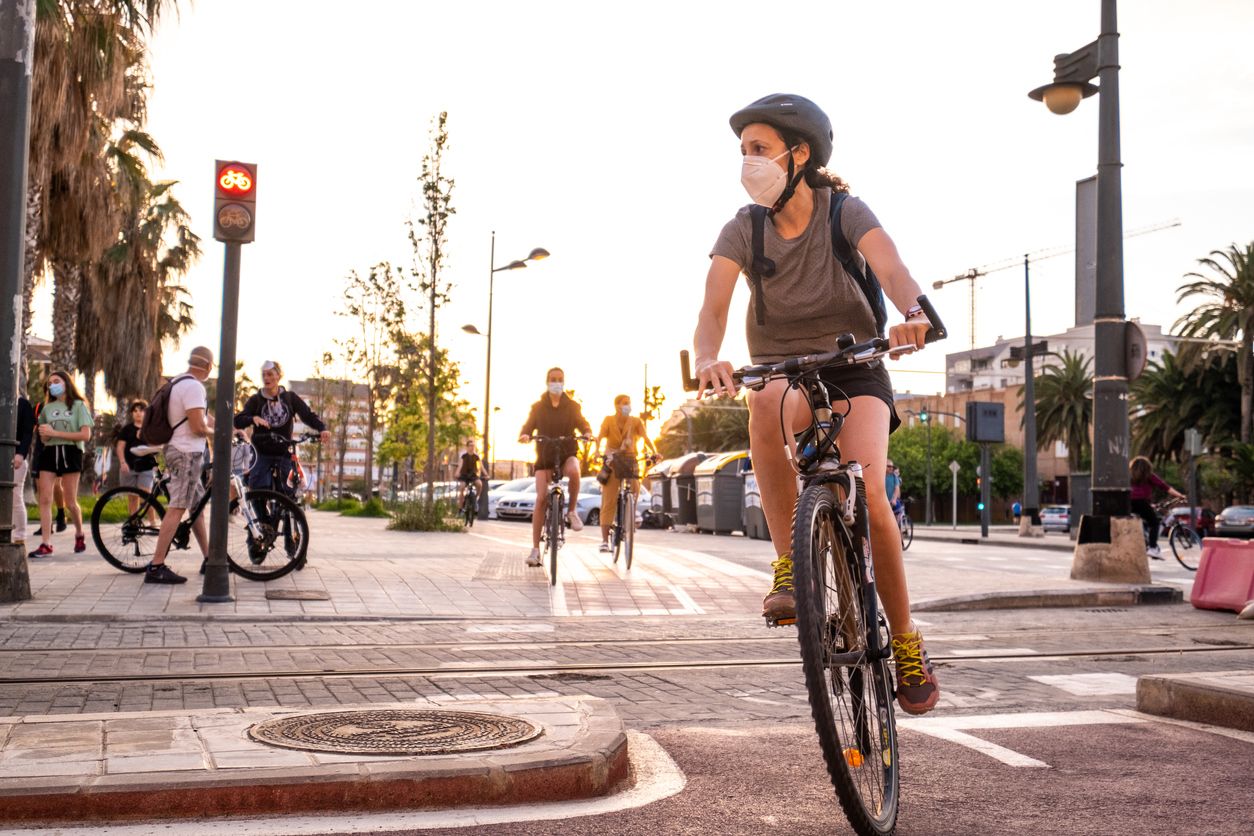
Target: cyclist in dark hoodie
270,413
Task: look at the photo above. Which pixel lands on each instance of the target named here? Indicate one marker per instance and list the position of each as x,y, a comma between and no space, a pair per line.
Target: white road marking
1000,753
657,777
1222,731
1090,684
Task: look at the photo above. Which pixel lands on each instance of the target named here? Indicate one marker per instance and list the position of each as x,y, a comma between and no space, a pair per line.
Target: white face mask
626,410
556,388
763,179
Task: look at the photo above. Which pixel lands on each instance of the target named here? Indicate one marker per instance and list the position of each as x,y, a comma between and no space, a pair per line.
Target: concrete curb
588,759
1110,596
1223,698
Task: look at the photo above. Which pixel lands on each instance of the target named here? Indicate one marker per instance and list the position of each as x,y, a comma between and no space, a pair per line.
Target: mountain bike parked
267,534
843,636
553,532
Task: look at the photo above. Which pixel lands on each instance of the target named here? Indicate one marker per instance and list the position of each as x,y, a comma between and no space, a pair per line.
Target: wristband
913,312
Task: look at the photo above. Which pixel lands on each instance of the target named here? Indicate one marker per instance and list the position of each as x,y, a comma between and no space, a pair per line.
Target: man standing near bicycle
621,432
801,301
185,454
554,415
270,413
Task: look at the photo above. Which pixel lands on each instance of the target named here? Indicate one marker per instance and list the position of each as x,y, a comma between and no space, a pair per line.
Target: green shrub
373,508
340,505
87,502
419,516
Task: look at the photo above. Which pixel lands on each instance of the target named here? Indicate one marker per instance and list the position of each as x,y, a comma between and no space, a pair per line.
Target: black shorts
544,453
862,379
60,459
467,479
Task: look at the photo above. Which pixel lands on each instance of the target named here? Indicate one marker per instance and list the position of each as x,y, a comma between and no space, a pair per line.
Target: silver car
1235,521
1056,518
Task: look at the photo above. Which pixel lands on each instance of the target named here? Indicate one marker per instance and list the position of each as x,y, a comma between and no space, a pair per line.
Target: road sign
234,201
954,467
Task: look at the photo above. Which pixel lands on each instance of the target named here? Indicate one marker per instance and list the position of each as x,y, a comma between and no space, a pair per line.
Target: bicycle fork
246,508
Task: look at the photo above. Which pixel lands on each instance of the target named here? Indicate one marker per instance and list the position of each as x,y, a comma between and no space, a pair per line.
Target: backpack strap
760,267
172,384
844,253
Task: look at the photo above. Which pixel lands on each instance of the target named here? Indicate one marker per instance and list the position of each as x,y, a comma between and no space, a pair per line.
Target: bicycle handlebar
847,353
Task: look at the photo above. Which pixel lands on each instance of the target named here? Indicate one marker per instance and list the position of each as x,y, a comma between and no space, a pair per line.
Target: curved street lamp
536,254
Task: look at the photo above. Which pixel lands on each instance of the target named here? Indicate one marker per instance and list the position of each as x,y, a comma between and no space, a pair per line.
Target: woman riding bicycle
801,308
1144,481
622,432
270,413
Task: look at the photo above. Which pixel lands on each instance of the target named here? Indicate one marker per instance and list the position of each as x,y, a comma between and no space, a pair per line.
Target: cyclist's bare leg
201,534
777,481
864,439
571,471
169,525
542,504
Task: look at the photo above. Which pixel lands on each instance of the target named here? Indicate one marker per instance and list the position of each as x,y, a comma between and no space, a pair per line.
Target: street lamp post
536,254
1029,517
1072,75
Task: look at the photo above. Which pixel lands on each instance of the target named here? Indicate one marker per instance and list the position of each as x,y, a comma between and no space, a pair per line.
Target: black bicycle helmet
796,114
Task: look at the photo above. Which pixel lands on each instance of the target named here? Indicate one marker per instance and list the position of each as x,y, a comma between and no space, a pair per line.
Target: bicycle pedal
780,622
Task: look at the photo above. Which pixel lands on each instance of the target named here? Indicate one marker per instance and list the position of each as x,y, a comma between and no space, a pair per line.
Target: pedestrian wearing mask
64,425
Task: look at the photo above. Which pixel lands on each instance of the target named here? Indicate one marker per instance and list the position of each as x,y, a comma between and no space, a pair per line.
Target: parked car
514,486
520,505
1056,518
1203,522
1235,521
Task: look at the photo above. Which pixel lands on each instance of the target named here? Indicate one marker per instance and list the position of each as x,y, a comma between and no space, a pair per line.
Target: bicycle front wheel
277,546
907,532
850,693
616,530
555,534
127,538
1186,545
472,507
628,522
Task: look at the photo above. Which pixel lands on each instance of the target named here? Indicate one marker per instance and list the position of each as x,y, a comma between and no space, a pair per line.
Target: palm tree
1227,314
1167,399
1064,406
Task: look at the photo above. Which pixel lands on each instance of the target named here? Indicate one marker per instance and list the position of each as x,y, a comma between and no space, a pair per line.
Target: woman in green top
64,425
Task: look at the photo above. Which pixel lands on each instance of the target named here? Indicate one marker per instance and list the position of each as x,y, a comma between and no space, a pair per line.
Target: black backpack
156,428
762,267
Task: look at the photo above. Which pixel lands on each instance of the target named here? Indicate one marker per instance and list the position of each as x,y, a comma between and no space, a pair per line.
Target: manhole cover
395,732
297,595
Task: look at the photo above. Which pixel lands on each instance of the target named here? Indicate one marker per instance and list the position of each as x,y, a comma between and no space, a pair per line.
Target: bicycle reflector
235,201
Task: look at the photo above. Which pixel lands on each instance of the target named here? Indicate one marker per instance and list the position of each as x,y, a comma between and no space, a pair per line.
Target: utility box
721,492
986,422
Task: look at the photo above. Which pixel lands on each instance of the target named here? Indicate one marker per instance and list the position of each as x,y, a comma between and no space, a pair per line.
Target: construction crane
1039,255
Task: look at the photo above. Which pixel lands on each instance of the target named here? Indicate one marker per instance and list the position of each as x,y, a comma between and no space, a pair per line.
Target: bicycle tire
852,705
1186,545
629,528
130,543
555,534
471,502
907,532
284,541
616,530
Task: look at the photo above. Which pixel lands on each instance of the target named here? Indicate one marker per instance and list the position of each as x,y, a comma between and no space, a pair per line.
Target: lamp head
937,285
470,329
1062,97
538,253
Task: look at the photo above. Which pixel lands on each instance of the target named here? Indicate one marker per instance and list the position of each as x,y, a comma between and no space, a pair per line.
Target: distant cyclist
1144,480
470,471
554,415
803,301
892,487
622,433
271,413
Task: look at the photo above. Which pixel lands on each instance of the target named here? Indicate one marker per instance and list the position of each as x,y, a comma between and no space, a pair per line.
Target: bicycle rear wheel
124,538
628,522
907,531
281,543
1186,545
555,524
851,697
617,530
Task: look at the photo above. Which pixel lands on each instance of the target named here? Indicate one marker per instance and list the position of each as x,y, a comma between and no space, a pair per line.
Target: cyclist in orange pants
621,432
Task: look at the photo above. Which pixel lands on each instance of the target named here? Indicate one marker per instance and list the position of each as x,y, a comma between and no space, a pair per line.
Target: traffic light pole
986,483
217,585
17,48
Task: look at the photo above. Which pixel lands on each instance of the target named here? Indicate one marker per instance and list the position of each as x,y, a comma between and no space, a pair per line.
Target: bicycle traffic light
923,416
234,201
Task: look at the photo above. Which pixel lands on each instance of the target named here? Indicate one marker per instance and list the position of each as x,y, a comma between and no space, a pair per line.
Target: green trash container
720,492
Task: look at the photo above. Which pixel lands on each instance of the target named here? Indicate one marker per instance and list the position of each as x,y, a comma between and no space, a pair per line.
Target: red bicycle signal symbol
235,180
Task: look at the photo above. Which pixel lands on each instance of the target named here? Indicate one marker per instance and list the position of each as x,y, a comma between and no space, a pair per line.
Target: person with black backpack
812,255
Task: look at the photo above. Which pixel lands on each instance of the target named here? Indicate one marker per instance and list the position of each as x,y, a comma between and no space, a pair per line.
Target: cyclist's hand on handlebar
717,376
324,437
260,422
524,439
911,333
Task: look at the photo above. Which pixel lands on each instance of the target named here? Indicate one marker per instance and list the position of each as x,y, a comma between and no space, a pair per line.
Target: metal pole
927,517
487,380
217,585
17,61
1110,379
1031,490
986,485
953,514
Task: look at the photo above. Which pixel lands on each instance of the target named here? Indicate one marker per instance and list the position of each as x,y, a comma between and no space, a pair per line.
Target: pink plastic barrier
1225,577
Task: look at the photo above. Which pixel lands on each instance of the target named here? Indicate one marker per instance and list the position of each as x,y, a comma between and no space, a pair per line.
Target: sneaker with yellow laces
780,605
918,689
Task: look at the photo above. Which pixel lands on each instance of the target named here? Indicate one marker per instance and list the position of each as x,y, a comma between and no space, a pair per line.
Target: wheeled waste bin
721,492
660,486
754,518
683,488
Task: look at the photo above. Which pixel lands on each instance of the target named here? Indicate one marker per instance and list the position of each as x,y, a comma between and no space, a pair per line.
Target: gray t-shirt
810,300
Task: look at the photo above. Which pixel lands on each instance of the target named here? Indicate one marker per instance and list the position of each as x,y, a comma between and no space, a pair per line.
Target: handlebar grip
690,382
938,330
